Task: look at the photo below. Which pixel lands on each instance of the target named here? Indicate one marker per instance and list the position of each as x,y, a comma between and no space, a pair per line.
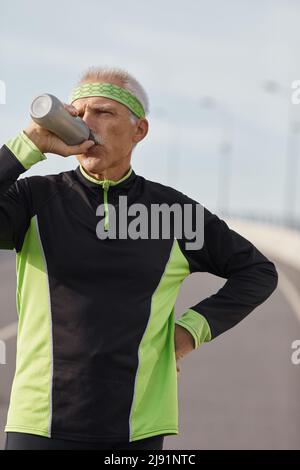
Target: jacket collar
125,182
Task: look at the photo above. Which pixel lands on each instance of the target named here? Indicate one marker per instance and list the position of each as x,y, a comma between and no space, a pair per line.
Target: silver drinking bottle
50,113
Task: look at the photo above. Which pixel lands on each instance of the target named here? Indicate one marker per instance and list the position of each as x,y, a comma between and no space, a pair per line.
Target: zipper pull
105,185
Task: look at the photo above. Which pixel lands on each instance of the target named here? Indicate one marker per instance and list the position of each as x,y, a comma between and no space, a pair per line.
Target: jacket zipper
105,186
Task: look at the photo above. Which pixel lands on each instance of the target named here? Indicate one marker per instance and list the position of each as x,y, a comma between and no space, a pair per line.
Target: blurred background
223,130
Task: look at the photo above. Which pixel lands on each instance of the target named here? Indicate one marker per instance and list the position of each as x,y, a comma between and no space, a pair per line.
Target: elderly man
98,347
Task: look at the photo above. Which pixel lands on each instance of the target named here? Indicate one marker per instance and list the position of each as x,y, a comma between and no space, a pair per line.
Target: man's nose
88,119
87,116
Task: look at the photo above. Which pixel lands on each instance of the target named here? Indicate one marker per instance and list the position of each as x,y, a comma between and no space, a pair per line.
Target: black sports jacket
95,345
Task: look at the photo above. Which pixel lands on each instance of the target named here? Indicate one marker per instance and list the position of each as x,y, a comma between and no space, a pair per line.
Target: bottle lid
41,106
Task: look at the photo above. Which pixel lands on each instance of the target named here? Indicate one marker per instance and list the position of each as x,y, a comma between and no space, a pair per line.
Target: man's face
110,120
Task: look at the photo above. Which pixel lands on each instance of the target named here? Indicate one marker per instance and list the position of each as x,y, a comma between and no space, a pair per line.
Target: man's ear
141,130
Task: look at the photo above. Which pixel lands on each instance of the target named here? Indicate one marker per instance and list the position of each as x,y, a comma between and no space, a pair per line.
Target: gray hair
127,80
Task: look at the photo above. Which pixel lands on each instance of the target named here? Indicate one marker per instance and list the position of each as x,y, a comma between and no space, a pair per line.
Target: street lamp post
173,146
225,154
224,177
291,172
293,130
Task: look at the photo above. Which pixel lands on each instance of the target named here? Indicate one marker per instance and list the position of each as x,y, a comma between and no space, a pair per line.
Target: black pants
22,441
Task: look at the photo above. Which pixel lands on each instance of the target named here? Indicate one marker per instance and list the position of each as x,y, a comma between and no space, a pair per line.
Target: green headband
108,90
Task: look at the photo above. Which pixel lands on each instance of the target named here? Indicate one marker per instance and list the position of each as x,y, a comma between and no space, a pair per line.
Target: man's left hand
184,343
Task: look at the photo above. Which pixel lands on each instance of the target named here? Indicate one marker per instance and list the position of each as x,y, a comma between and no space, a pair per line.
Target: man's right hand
48,142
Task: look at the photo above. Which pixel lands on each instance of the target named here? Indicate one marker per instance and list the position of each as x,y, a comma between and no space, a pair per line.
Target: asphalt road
240,391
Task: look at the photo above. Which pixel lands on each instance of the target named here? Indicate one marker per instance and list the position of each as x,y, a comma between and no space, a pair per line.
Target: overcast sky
180,52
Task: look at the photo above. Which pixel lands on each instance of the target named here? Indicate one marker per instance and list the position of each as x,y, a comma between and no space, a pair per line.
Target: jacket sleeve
251,278
16,156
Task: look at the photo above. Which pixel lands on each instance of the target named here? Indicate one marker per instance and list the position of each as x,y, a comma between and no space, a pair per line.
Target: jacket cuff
25,150
197,325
